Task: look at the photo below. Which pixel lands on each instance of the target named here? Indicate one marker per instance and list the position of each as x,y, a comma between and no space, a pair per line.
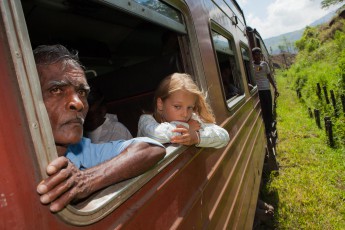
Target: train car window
236,11
162,8
155,11
127,51
229,70
248,69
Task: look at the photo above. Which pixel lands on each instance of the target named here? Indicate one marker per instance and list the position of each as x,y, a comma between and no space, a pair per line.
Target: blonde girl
182,115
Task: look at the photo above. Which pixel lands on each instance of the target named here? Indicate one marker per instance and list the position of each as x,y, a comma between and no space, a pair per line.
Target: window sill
234,102
100,204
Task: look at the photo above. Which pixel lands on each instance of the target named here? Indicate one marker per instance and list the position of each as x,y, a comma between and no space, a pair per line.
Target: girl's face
179,106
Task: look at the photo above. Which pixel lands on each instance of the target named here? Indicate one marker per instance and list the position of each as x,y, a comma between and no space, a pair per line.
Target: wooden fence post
343,101
326,119
317,117
310,113
326,94
318,90
330,133
334,103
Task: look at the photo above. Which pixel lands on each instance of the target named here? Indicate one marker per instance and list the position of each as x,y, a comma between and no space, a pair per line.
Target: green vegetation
328,3
309,192
321,60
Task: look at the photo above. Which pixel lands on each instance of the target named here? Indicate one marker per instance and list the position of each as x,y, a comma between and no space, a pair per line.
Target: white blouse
211,135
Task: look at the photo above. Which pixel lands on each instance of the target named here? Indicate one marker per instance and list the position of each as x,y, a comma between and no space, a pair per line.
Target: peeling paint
3,201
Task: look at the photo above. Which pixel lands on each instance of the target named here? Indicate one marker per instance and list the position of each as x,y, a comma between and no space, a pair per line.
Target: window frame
146,13
108,199
249,69
233,102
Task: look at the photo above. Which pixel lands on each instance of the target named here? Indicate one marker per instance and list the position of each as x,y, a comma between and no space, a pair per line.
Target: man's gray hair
50,54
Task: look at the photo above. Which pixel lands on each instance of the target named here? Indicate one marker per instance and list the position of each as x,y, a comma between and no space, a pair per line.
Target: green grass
309,192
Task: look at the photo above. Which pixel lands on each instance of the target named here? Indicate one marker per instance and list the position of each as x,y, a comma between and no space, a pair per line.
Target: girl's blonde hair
182,81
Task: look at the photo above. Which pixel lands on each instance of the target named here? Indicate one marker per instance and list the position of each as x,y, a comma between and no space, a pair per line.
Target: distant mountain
288,39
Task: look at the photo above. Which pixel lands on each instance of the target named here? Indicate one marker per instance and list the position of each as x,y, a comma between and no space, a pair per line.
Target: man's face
65,90
257,56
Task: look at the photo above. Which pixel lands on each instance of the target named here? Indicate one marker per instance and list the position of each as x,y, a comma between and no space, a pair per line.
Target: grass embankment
309,192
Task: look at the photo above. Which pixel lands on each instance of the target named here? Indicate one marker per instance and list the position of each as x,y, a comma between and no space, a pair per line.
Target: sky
275,17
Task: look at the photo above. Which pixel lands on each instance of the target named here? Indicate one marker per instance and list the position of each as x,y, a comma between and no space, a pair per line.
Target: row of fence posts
328,125
327,119
333,100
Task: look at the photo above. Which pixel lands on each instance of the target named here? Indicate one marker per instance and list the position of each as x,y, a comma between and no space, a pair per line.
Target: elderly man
82,167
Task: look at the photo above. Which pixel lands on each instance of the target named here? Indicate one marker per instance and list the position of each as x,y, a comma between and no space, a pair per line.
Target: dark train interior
125,56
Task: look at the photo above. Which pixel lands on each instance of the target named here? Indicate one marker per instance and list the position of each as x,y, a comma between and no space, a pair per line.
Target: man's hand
276,93
64,183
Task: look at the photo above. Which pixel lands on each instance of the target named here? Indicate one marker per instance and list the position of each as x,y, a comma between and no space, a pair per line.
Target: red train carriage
123,45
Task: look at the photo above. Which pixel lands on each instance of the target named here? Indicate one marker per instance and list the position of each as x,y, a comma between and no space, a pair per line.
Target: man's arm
66,182
269,76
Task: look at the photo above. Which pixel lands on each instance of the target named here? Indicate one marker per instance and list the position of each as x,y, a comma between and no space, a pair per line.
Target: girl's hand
194,125
188,136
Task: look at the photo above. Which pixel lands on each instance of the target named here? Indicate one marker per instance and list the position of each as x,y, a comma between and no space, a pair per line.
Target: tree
281,48
288,45
328,3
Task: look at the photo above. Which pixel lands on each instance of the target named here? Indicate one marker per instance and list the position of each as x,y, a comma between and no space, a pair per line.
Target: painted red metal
201,188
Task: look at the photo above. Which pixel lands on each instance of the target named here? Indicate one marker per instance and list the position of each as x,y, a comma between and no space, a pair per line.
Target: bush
322,63
303,43
312,44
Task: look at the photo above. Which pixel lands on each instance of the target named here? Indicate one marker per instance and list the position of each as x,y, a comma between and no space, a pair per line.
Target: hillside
321,62
283,60
273,43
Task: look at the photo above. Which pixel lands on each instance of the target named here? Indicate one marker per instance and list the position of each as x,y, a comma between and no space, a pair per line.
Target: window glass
162,8
222,44
247,66
228,66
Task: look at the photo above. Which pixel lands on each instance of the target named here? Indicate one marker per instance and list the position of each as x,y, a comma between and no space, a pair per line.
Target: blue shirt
86,154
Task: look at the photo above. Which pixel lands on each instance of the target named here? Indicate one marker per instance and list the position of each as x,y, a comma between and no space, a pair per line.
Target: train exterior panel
121,43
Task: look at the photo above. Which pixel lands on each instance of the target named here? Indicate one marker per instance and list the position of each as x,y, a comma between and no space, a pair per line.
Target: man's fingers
56,165
60,187
42,188
53,194
51,182
60,203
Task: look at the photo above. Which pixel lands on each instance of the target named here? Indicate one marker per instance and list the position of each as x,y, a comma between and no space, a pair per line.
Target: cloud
285,16
242,2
